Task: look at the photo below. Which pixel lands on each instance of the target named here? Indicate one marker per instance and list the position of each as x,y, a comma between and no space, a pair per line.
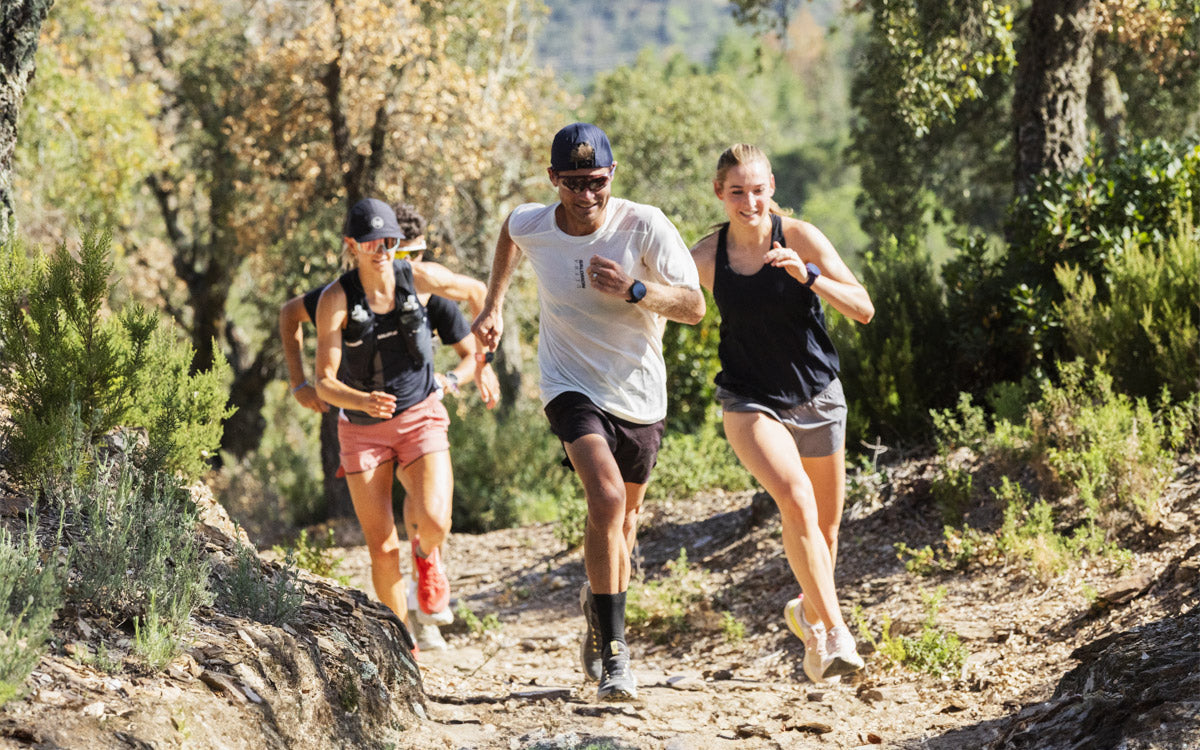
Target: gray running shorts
818,426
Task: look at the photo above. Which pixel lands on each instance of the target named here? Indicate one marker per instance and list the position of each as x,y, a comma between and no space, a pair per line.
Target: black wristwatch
637,290
813,273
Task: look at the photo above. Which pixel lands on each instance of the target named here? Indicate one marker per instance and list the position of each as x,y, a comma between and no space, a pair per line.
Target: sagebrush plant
133,542
315,555
658,609
271,597
934,651
1103,450
30,597
69,361
154,639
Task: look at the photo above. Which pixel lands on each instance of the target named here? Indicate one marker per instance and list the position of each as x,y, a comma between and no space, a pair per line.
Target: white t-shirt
594,343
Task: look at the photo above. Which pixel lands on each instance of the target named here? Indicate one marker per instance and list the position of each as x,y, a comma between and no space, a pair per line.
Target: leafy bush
659,609
315,556
274,598
1100,448
1003,304
507,467
134,545
70,364
934,651
30,595
692,462
1146,330
884,363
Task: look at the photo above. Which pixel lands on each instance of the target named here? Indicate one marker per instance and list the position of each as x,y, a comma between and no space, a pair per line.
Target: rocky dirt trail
519,685
1106,656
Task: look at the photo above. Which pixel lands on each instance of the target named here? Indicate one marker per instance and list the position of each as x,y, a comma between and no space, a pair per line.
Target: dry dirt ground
335,682
519,685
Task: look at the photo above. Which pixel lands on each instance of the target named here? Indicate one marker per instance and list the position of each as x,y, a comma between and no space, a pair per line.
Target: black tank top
392,352
774,347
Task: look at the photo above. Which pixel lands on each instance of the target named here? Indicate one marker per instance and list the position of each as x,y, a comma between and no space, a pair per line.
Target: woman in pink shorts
375,362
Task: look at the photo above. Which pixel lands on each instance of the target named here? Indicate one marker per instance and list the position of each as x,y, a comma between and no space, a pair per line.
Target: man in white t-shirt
610,273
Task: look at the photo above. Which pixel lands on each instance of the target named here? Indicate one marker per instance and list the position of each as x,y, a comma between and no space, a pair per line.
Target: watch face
637,290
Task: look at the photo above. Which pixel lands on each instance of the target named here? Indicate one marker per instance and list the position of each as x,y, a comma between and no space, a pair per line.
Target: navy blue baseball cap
371,219
580,145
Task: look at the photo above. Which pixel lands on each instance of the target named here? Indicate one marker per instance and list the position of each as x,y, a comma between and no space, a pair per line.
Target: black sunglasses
579,184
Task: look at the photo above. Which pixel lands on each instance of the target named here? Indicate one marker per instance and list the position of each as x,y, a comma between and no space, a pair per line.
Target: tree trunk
1050,99
20,24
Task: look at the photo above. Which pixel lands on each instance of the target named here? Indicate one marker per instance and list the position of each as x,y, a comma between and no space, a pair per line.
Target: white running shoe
429,637
813,637
445,617
841,653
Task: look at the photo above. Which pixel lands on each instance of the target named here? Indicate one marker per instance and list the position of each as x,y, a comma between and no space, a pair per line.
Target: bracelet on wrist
302,385
485,357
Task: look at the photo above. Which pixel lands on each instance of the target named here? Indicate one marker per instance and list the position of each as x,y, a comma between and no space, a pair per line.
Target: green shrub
935,651
30,596
964,426
134,545
693,462
72,365
1102,449
274,598
1145,331
951,490
315,556
474,624
884,363
571,524
507,467
658,609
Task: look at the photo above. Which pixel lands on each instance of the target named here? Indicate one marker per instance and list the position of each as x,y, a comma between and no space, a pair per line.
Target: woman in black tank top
783,411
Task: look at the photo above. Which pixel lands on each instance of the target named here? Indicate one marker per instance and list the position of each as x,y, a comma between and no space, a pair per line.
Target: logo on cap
377,222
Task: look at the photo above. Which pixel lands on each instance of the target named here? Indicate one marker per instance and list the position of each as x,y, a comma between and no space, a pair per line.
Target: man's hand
488,327
607,276
488,384
308,398
379,404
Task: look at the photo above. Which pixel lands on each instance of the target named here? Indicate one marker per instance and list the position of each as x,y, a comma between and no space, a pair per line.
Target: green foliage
274,598
155,640
964,426
474,624
691,358
571,523
697,461
951,490
134,545
1103,450
507,467
733,630
30,595
1147,332
315,555
961,548
1004,306
935,651
659,609
73,366
884,363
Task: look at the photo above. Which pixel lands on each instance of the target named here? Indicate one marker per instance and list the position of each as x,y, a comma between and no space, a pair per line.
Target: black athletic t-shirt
774,346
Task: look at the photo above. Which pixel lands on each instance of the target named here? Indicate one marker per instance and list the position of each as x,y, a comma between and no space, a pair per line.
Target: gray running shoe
590,652
617,683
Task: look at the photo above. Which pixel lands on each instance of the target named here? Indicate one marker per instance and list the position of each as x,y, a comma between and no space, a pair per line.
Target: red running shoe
433,590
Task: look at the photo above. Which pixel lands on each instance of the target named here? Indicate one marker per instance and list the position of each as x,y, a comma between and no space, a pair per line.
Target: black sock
610,611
